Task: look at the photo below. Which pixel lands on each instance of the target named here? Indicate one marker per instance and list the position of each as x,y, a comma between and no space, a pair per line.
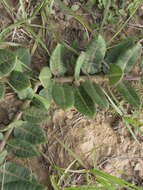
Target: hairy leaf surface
19,80
35,115
30,132
94,56
21,148
129,93
83,102
57,65
7,62
45,76
96,94
115,74
63,96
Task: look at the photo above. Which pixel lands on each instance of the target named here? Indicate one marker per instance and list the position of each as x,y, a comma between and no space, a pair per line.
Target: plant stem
95,78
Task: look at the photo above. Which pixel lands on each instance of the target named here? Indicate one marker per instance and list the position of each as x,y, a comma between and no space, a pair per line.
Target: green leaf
115,74
16,177
35,115
124,54
7,62
57,66
83,103
79,63
21,148
19,81
27,93
96,94
40,102
117,50
129,93
13,172
30,132
2,91
136,53
3,155
45,76
63,96
24,58
23,185
47,93
129,57
94,56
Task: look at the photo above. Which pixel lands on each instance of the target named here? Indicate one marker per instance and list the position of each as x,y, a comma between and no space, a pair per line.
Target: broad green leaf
115,74
30,132
96,94
117,50
7,62
124,54
79,63
19,81
136,53
129,93
27,93
94,56
2,91
23,185
24,57
45,76
40,102
83,102
35,115
13,172
63,96
1,136
47,93
21,148
3,156
57,66
129,57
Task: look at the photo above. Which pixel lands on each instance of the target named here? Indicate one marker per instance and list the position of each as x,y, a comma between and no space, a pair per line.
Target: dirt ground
104,142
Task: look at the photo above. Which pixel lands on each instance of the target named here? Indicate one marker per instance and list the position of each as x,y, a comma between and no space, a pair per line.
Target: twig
97,79
16,118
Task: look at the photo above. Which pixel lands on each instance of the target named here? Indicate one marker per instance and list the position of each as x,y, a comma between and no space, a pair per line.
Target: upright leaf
21,148
2,91
79,63
124,54
96,94
19,81
29,132
115,74
63,96
129,57
35,115
83,103
94,56
45,76
129,93
7,62
57,65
